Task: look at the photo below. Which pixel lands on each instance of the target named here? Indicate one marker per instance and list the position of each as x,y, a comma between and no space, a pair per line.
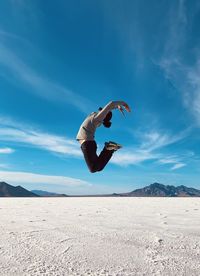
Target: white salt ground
99,236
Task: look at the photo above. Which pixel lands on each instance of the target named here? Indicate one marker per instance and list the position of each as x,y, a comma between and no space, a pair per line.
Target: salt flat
100,236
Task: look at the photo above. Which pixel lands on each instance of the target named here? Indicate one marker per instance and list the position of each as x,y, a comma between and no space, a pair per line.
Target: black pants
94,162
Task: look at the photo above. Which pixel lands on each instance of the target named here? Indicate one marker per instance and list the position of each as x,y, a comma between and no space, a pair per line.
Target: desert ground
100,236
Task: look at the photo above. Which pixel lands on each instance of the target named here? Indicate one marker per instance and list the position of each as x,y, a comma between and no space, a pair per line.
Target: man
86,135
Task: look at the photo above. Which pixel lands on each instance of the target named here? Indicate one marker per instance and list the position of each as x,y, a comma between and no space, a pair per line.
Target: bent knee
93,169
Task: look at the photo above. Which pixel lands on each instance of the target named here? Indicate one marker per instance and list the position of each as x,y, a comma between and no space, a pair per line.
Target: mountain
7,190
153,190
47,194
160,190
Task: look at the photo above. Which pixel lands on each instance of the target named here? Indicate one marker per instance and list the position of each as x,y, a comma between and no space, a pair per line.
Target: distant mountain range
153,190
160,190
47,194
7,190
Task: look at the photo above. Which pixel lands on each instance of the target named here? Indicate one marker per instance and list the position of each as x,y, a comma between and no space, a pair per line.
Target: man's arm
99,117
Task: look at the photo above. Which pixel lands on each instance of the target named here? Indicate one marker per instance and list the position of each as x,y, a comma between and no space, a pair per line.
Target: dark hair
106,122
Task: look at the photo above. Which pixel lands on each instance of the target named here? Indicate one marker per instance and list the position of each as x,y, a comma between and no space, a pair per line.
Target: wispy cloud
176,161
178,166
6,150
192,97
56,183
183,76
154,139
177,22
24,75
15,132
150,148
32,178
133,156
169,160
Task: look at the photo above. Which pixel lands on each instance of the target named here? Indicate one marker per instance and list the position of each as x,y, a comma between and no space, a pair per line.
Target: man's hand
125,105
121,109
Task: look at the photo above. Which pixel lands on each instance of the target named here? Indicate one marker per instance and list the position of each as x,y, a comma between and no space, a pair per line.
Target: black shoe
112,146
114,143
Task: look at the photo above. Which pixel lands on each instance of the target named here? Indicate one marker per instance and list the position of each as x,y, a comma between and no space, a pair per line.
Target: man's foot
114,143
112,146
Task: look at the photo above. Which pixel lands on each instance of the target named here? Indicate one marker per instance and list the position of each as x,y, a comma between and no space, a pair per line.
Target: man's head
106,122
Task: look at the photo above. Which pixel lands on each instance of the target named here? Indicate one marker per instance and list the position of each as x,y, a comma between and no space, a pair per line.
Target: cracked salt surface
99,236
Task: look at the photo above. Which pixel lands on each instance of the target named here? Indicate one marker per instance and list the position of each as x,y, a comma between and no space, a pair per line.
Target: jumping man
86,136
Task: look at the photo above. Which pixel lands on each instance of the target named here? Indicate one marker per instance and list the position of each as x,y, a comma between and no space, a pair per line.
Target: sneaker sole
115,144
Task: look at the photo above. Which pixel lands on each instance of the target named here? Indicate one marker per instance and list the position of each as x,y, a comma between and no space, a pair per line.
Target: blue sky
60,61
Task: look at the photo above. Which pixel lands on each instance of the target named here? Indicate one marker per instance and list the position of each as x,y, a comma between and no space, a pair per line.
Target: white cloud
150,148
186,80
32,178
178,166
183,76
154,140
132,157
15,132
172,160
192,97
168,160
22,74
177,22
6,150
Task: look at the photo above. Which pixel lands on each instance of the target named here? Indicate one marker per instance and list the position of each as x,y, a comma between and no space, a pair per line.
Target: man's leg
94,162
103,158
89,149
